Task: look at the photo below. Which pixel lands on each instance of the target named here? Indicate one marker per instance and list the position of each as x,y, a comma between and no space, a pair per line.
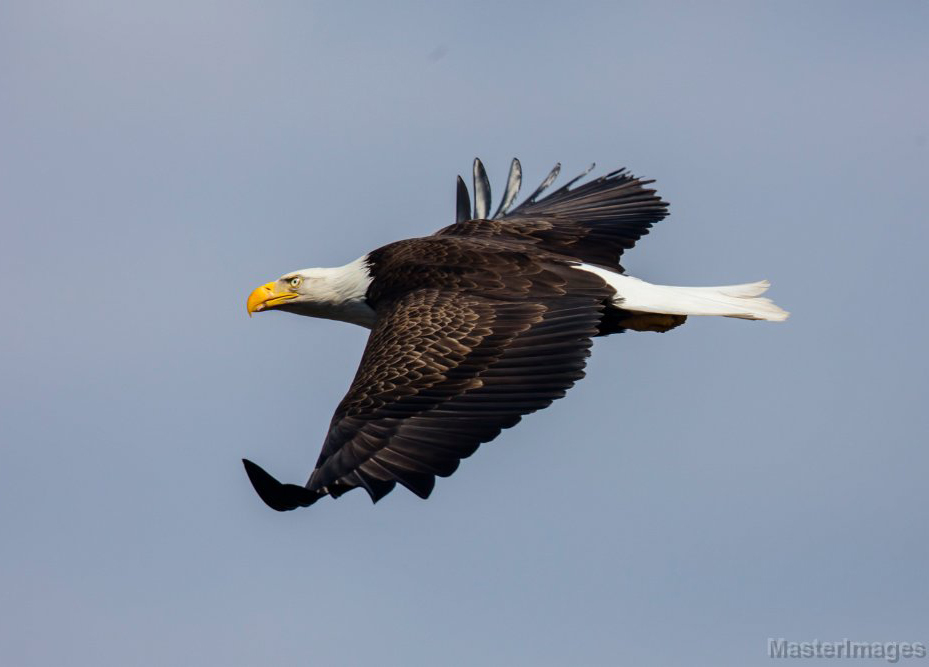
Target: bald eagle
485,321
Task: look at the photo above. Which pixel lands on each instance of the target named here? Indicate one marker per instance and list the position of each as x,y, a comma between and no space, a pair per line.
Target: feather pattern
412,426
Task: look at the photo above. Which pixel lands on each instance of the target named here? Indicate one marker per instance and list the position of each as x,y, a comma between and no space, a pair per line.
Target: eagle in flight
485,321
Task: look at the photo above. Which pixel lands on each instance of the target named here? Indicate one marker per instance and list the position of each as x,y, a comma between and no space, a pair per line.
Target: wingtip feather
462,202
481,191
277,496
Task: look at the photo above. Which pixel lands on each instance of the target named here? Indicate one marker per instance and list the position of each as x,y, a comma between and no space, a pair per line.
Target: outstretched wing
594,222
442,373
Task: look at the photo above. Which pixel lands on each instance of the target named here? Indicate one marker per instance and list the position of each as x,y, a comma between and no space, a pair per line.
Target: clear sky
700,492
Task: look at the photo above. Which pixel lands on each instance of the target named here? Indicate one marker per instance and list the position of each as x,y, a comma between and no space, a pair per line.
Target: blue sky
699,492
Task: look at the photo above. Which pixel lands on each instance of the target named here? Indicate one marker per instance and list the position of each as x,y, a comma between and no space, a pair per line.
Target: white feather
742,301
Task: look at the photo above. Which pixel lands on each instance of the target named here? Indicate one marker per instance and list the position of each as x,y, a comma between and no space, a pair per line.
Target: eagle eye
295,282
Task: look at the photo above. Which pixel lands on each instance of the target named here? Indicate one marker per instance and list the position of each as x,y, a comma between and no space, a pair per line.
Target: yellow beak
267,296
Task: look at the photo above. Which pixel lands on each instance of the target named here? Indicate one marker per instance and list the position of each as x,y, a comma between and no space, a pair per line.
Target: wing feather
462,202
513,181
594,222
481,191
442,373
543,186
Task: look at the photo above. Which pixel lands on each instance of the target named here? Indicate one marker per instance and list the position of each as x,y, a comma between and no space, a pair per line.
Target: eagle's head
291,288
335,294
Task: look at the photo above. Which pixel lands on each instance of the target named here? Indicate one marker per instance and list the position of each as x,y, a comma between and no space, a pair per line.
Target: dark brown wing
442,373
594,222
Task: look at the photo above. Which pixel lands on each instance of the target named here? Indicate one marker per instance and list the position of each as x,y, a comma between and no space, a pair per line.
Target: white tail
742,301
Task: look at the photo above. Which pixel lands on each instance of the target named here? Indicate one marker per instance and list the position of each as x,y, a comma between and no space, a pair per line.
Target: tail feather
741,301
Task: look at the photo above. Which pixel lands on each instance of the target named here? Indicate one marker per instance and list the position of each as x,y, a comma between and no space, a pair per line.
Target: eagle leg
277,496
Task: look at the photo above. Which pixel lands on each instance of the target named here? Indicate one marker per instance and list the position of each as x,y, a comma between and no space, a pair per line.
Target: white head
335,294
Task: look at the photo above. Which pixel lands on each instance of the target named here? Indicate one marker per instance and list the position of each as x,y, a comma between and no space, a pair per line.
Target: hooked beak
267,296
